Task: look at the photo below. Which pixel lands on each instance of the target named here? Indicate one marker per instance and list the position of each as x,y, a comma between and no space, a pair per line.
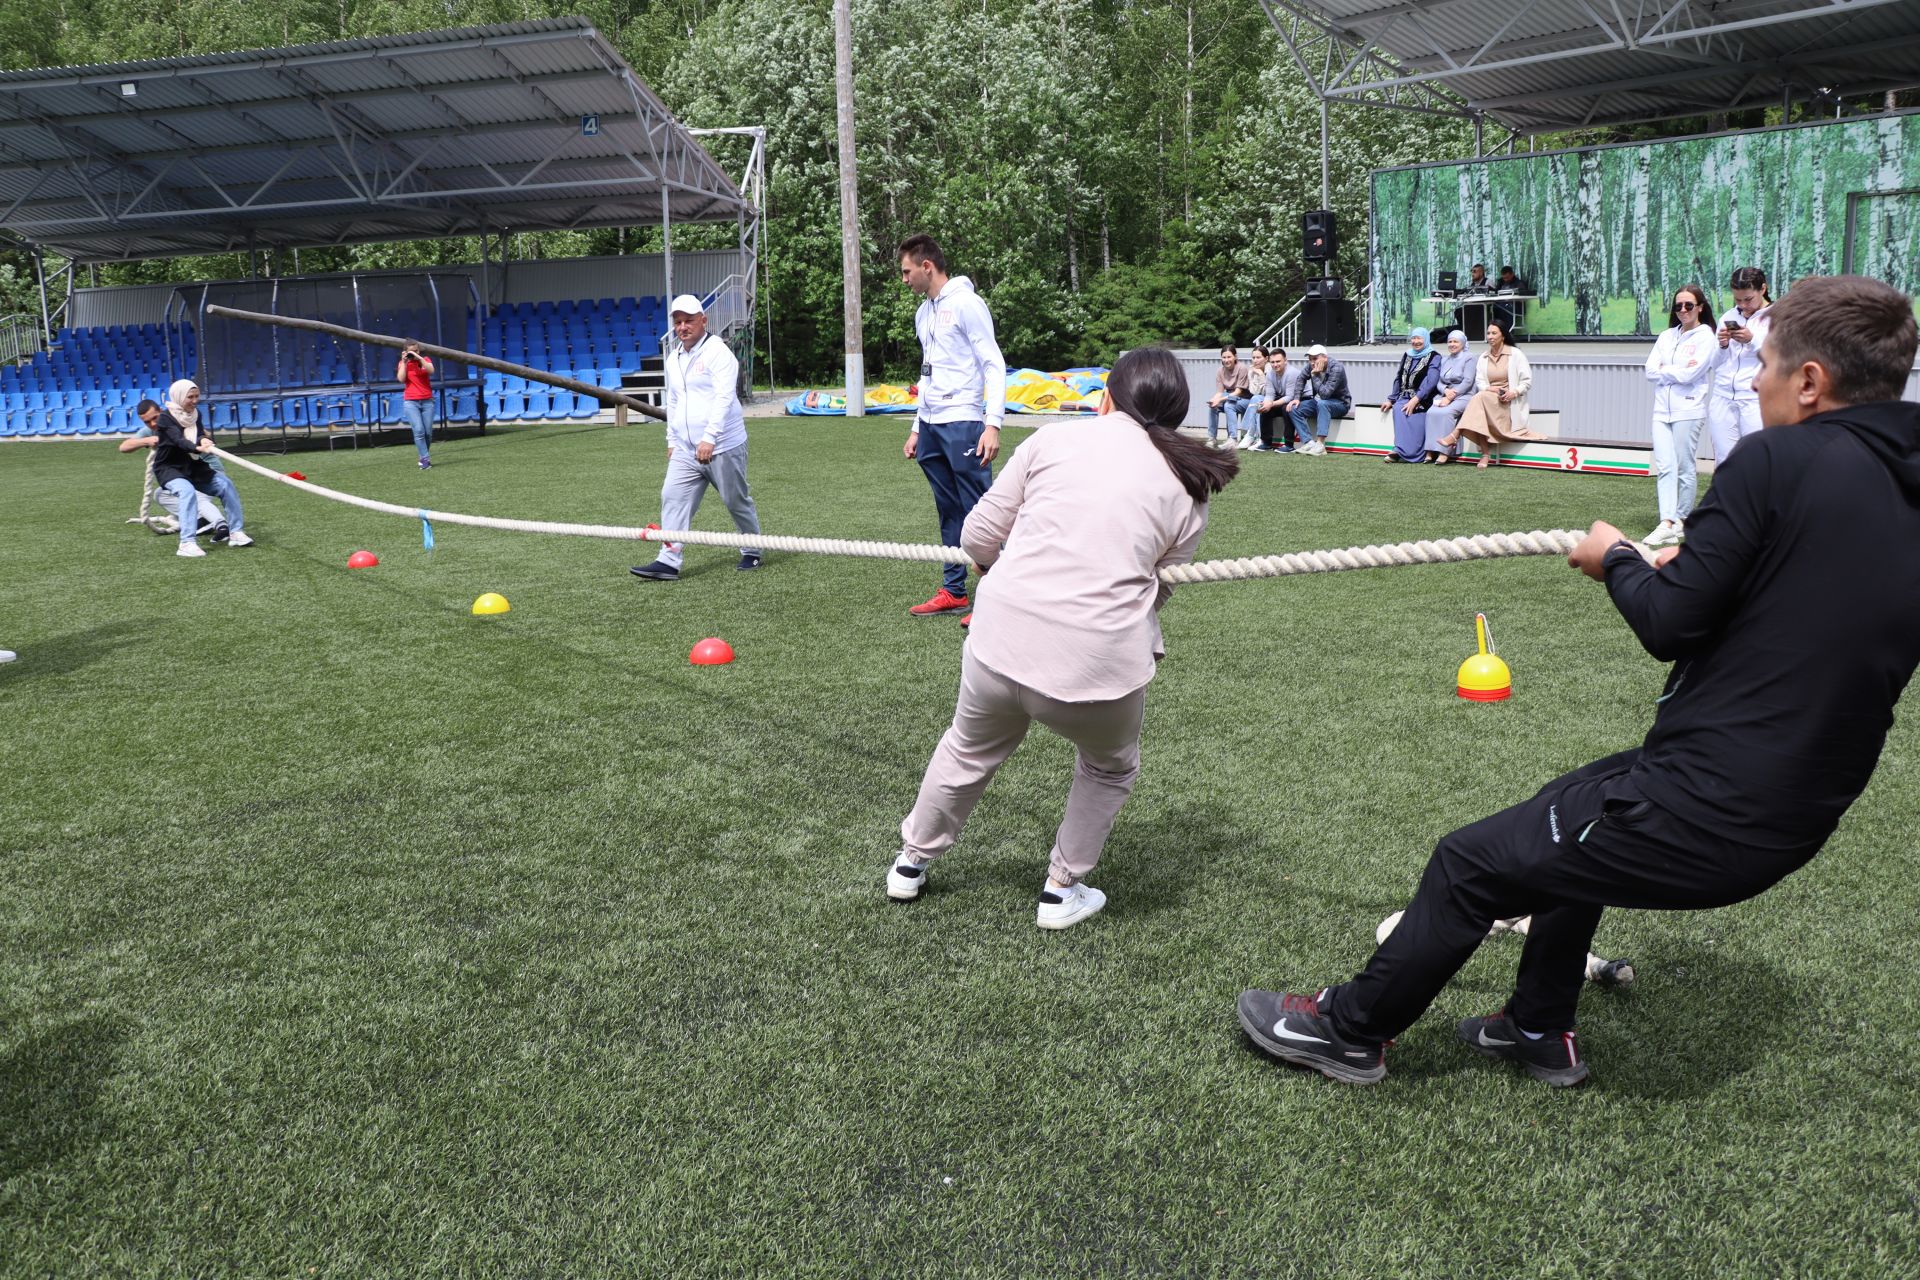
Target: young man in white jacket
963,399
706,437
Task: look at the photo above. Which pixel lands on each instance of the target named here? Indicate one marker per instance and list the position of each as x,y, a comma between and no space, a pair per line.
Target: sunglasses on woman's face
1686,306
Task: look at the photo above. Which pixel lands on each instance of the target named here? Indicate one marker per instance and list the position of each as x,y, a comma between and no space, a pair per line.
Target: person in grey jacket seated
1324,397
1450,396
1283,392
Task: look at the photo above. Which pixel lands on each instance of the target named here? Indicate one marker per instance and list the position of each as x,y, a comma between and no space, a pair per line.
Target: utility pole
849,209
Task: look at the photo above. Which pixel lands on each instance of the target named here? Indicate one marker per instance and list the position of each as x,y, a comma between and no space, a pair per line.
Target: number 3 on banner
1570,461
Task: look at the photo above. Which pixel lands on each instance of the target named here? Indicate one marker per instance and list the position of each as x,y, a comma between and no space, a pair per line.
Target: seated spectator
1477,280
1450,398
213,522
1281,395
1324,397
1413,388
1229,395
1498,411
180,465
1248,433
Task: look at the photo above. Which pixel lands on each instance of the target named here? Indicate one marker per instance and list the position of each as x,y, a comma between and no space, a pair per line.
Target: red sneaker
944,601
967,621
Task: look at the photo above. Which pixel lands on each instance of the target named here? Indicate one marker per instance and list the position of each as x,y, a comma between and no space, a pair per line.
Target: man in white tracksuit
963,399
706,437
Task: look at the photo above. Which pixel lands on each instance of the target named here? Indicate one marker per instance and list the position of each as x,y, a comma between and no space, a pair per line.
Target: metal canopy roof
403,137
1541,66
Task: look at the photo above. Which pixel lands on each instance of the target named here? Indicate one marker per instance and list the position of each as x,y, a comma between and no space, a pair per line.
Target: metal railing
20,338
1286,330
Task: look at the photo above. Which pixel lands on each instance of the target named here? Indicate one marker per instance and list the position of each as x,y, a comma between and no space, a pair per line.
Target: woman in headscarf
1413,384
182,468
1450,398
1498,410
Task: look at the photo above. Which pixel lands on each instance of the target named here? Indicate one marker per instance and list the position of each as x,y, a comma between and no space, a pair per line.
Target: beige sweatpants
991,719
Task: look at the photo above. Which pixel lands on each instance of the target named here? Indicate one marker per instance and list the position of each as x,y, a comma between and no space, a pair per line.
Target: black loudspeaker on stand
1319,240
1328,321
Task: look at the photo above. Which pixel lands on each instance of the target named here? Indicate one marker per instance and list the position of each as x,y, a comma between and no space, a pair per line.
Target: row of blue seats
298,412
603,334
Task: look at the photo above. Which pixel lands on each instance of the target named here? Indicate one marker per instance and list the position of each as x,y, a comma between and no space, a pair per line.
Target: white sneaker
1665,534
7,655
1064,908
906,878
238,539
1317,448
190,550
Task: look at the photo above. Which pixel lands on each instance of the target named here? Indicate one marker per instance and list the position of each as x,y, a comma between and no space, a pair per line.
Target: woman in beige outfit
1498,411
1066,627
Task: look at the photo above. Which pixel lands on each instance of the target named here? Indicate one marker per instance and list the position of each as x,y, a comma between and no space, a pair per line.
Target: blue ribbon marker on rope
426,528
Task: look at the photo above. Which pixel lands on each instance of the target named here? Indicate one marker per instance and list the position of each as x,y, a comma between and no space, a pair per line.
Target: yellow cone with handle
490,603
1484,677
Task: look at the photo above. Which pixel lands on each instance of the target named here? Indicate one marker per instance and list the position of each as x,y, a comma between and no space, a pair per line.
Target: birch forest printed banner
1606,235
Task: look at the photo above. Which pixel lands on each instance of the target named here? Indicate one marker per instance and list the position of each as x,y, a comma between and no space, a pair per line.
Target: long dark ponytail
1148,385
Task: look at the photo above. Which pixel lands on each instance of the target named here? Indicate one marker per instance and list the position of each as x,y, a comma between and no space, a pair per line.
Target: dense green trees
1108,171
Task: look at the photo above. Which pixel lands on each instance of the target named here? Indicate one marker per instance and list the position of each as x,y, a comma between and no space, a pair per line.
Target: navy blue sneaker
659,571
1554,1057
1293,1029
748,560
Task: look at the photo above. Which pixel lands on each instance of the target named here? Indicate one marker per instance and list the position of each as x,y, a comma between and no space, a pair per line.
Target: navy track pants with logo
1589,840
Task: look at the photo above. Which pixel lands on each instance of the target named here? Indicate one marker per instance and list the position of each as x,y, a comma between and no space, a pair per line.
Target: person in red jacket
416,401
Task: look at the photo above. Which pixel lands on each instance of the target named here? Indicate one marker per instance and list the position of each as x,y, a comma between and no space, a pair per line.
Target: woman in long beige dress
1498,411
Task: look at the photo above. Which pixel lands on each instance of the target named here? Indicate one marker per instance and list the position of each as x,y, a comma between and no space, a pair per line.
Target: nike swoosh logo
1280,1030
1490,1042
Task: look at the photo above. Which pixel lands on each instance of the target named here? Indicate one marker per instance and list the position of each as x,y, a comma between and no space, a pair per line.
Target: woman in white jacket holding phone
1681,371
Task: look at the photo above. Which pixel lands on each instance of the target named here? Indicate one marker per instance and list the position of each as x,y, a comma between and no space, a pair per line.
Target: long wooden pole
614,399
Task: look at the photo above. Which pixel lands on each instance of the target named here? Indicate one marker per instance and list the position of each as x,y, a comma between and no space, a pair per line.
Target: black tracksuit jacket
1792,618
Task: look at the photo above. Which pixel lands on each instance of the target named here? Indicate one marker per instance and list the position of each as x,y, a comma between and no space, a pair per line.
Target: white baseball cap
686,305
1316,350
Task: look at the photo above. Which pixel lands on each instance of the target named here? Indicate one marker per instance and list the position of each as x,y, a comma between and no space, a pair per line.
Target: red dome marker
711,652
362,560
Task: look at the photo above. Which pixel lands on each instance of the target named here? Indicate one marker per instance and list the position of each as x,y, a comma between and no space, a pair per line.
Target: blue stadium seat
513,406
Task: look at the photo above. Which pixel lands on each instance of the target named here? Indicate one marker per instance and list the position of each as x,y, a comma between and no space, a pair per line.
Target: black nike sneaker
1554,1057
1293,1029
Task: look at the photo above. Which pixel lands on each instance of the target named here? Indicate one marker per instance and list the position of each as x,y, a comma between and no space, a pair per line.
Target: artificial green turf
346,934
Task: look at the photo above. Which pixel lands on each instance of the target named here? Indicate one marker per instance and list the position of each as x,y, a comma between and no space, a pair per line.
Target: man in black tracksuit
1792,618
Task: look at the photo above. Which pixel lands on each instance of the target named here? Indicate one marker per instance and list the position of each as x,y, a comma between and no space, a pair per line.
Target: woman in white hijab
181,467
1457,369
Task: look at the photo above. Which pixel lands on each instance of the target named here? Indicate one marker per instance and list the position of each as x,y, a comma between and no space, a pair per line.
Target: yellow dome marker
490,603
1484,677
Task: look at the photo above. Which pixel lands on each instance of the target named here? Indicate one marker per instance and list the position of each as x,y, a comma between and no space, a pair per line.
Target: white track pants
1729,422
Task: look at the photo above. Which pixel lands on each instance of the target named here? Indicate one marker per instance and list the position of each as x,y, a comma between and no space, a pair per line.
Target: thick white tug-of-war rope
1486,546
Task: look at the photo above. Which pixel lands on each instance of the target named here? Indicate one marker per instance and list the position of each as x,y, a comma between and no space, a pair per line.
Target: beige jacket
1075,529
